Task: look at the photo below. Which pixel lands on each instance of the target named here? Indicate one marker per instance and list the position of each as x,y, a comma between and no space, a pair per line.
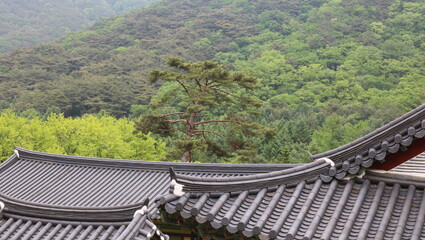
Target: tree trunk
186,156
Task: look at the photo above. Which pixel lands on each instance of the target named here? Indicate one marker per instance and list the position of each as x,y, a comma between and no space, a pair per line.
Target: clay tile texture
372,188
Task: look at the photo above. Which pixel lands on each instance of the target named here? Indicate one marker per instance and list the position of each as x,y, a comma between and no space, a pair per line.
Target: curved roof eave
353,209
375,146
305,172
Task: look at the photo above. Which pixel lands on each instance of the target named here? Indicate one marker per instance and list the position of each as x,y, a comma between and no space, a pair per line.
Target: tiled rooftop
49,196
337,196
375,146
353,209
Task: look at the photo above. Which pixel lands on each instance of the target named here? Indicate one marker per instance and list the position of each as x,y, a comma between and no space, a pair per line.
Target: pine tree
212,110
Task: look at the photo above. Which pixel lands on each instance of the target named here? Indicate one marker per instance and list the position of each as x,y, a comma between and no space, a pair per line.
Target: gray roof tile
374,146
50,196
354,209
14,227
64,197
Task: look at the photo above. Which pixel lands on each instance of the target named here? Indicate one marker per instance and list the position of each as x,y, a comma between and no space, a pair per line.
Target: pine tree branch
184,87
198,111
211,82
225,93
199,85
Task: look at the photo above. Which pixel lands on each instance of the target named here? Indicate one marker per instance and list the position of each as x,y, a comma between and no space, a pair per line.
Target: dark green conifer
213,113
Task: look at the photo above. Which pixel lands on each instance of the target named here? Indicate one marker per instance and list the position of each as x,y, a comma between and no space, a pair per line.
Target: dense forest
29,22
329,70
91,135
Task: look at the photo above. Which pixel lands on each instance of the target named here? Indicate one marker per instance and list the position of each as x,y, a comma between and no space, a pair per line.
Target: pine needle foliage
208,109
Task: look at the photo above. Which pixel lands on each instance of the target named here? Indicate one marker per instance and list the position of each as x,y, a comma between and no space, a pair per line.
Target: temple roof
90,198
341,194
353,209
298,204
376,146
14,227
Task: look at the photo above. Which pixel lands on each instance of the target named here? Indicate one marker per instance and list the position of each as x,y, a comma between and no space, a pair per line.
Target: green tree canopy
204,107
95,136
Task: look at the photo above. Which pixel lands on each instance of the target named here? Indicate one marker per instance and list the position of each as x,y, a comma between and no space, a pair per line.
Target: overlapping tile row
375,146
414,166
62,181
73,185
23,227
14,227
354,209
50,196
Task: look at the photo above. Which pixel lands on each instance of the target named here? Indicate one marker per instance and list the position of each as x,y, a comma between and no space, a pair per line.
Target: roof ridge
304,172
13,200
49,211
62,221
375,146
398,121
142,164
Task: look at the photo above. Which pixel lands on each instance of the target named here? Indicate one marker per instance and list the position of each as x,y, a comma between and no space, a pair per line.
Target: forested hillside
29,22
330,71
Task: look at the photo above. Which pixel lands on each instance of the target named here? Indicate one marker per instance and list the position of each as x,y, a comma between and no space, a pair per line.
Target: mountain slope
330,70
29,22
103,67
